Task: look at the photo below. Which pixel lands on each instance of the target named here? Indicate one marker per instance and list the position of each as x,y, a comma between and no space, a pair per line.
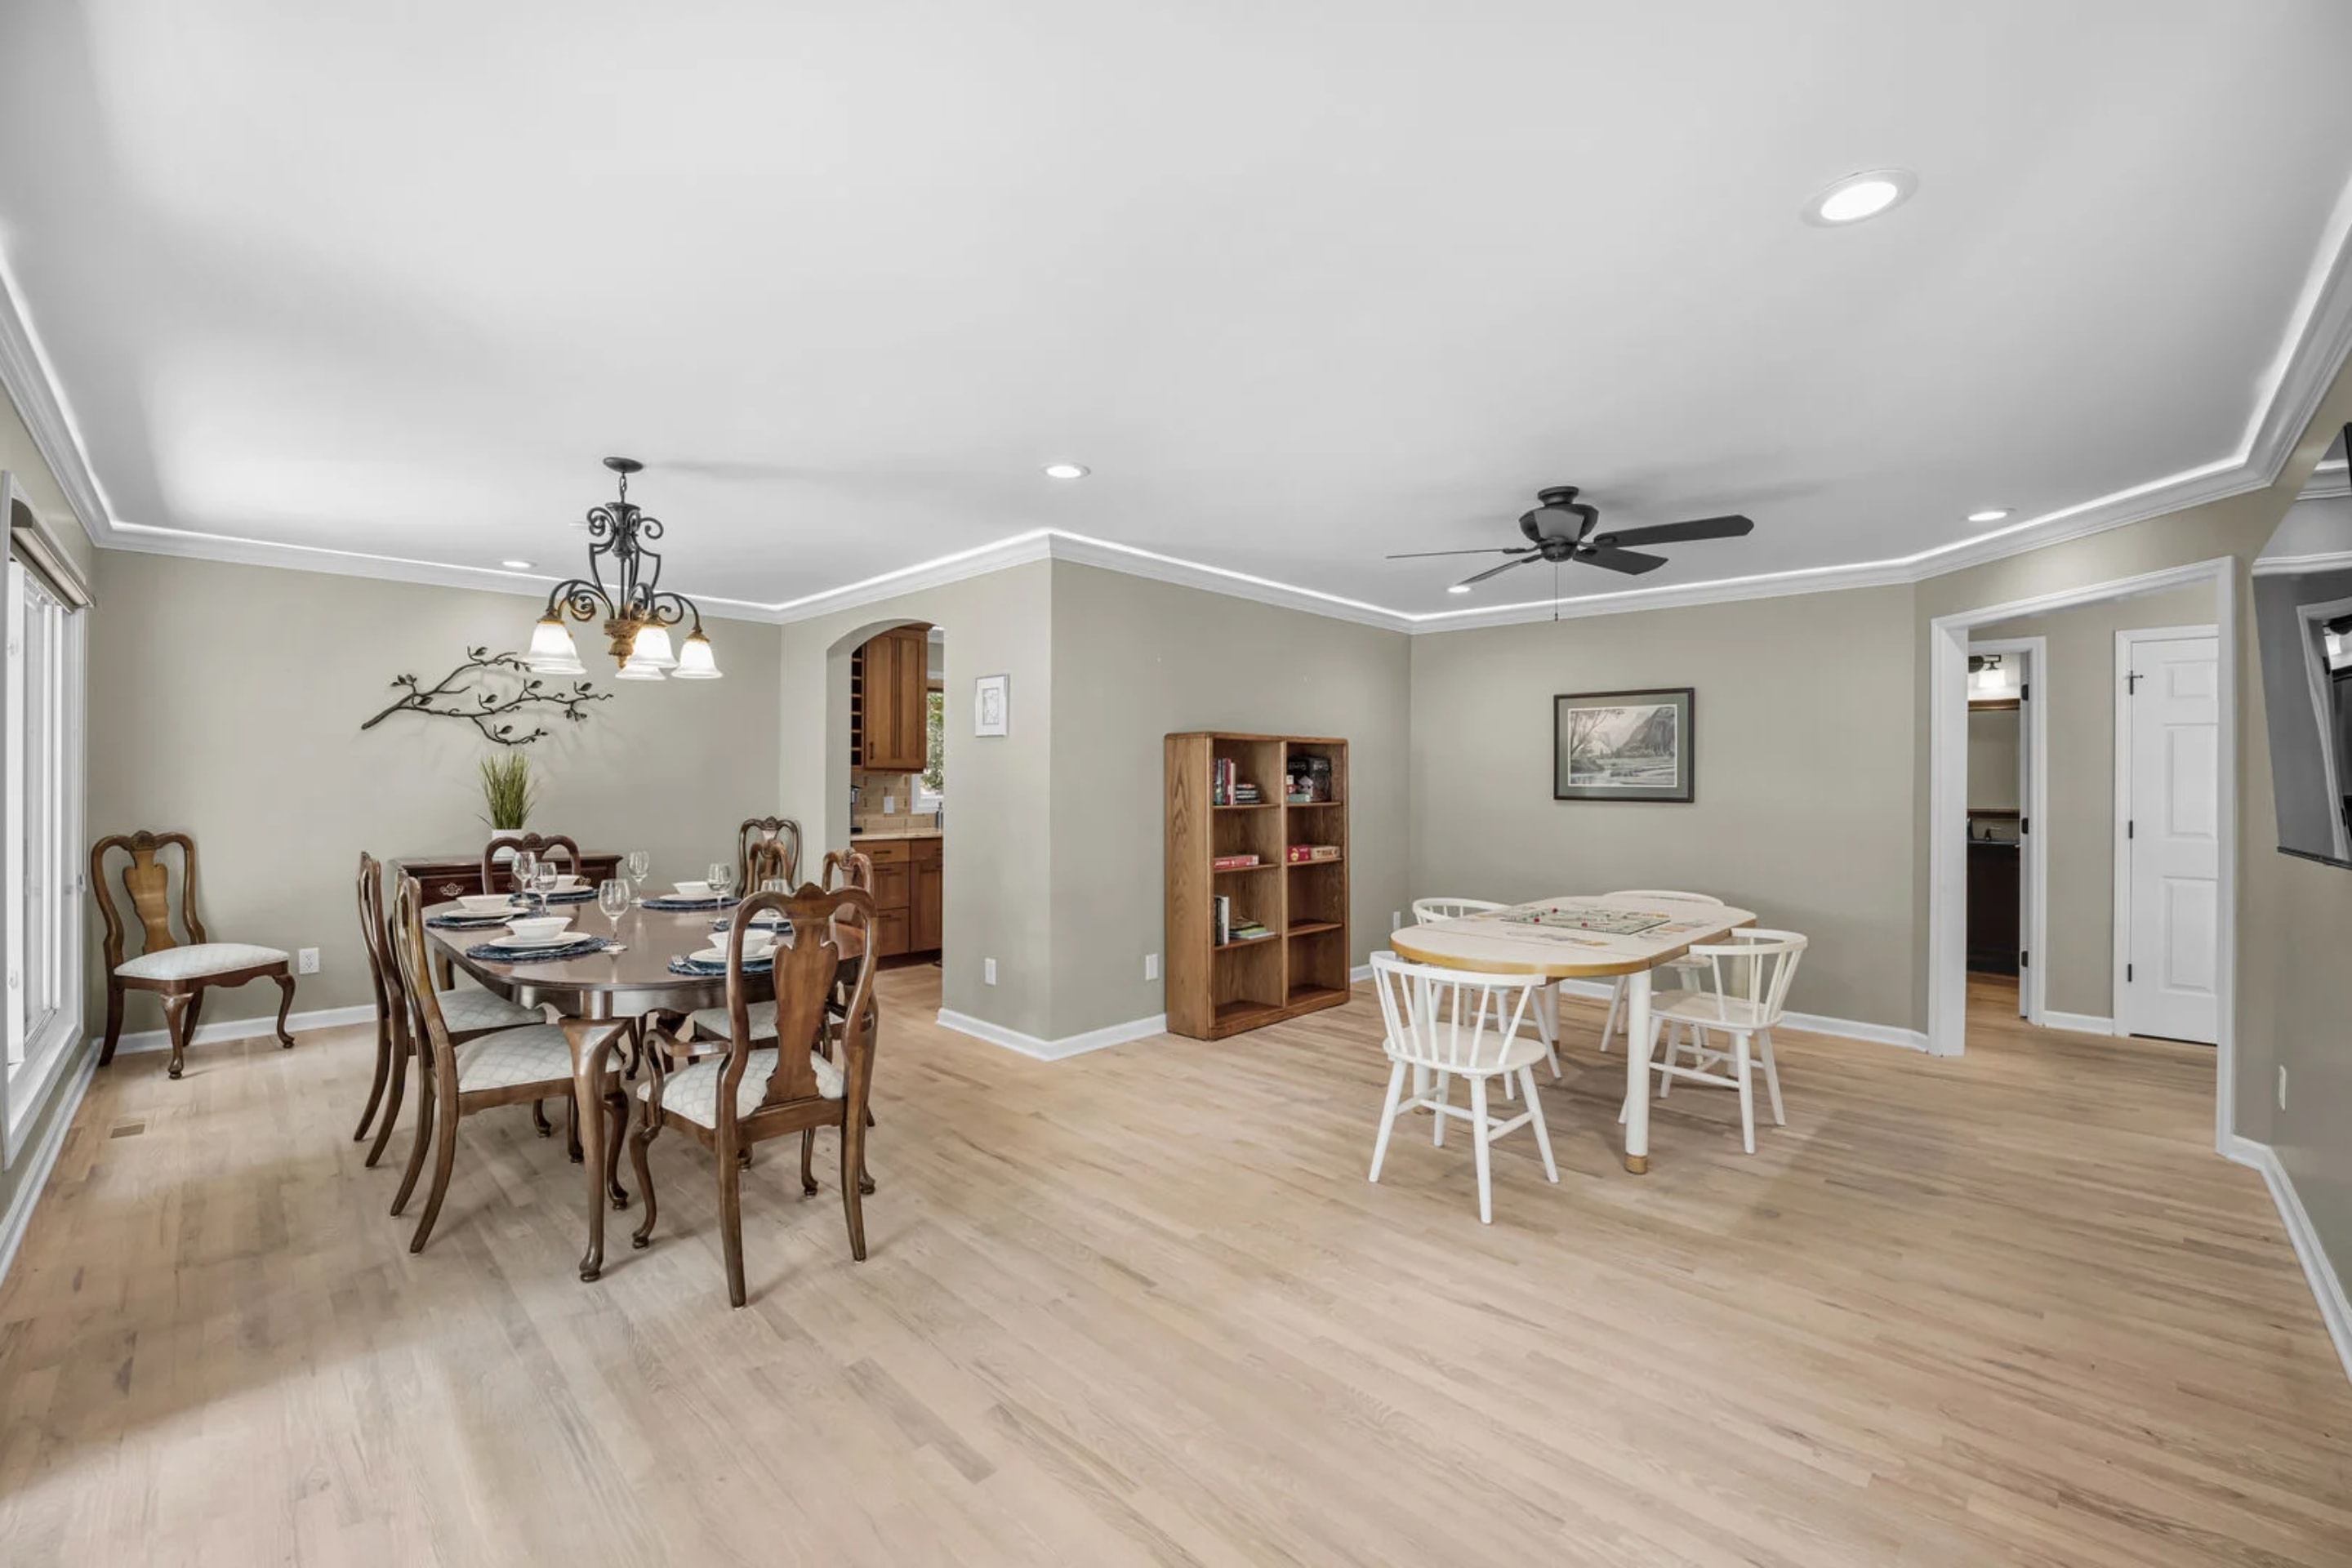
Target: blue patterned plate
498,952
663,901
706,971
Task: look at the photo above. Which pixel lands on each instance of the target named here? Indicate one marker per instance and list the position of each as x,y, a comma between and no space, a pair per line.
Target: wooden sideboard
446,876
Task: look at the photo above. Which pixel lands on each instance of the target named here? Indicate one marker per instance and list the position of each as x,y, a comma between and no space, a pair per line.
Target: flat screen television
2303,624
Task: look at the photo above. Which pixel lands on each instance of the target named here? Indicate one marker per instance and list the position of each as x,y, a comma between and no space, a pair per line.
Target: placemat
492,952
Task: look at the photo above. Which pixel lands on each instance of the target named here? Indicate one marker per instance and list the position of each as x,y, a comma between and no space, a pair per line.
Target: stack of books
1232,862
1225,786
1301,854
1227,930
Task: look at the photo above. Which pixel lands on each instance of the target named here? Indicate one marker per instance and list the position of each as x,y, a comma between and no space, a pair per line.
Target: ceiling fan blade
1731,526
1419,554
1632,561
1505,566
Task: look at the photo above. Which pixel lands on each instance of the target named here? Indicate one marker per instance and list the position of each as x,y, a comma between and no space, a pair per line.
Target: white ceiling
1303,284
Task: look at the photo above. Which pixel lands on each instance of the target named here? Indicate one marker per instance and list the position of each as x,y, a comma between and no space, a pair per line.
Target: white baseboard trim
1358,974
2081,1023
34,1179
2327,1284
1053,1050
1811,1023
242,1028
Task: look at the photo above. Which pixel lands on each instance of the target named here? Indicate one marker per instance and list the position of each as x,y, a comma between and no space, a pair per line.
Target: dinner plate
561,939
718,955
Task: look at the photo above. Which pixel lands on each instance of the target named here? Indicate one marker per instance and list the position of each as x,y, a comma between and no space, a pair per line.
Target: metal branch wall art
487,690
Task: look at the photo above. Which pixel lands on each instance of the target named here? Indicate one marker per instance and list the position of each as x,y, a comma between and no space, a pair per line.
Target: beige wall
1135,660
998,845
1804,731
227,701
2079,682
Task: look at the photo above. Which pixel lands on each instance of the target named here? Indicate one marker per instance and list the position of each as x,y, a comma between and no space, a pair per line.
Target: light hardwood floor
1142,1307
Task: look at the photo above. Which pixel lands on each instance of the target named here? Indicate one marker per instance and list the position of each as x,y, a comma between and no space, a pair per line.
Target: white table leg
1637,1071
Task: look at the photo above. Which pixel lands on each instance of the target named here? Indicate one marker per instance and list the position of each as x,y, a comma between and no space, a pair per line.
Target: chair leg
617,1111
113,1020
416,1145
1550,995
1616,1005
1771,1077
396,1091
1747,1092
1536,1121
175,1023
445,1159
572,1129
808,1156
1673,1046
285,1006
730,1221
383,1072
1388,1117
195,1011
539,1119
1445,1092
853,1182
639,1142
1478,1145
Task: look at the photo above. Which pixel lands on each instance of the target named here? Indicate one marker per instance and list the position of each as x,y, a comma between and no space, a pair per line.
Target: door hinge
2026,691
2128,974
2024,959
2131,684
2130,828
2024,826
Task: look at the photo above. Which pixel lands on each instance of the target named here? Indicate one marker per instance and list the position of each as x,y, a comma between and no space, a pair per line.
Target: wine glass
544,879
640,866
613,898
721,877
525,868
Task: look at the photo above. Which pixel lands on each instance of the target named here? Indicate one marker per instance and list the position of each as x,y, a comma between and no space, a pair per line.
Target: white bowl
692,889
537,927
568,884
486,903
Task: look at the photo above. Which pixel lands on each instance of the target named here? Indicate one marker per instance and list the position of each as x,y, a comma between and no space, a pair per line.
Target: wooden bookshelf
1301,964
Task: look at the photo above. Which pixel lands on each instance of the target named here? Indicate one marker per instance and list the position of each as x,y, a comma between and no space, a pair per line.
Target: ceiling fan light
652,648
694,659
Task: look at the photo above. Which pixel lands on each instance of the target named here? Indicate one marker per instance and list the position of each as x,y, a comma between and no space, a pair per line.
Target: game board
1585,917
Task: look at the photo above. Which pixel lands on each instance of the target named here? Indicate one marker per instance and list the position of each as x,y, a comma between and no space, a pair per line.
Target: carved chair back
848,869
778,839
372,934
803,970
551,844
147,882
413,970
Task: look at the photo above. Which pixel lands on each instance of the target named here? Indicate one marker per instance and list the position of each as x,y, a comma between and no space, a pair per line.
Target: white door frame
2120,920
2035,810
1948,792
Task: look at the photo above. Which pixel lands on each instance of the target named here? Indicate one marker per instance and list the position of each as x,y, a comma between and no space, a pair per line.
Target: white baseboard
1053,1050
2081,1023
34,1178
1358,974
242,1028
1811,1023
2327,1284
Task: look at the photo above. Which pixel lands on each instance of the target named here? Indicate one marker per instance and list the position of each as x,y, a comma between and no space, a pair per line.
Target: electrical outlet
306,962
2282,1088
988,971
1152,966
1396,919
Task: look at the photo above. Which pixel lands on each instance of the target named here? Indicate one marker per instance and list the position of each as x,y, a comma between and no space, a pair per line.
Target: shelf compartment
1313,928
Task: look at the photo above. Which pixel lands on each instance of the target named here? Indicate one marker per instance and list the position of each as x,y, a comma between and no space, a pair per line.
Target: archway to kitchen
886,773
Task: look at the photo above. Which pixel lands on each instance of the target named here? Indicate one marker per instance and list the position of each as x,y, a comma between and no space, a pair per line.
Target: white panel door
2170,938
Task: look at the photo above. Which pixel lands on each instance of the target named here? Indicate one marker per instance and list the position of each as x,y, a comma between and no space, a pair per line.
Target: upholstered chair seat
692,1091
534,1054
467,1009
197,959
710,1023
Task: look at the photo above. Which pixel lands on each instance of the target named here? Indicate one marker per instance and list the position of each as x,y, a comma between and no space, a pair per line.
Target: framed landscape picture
1624,745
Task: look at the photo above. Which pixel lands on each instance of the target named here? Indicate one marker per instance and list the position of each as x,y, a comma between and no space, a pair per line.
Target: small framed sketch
991,705
1624,745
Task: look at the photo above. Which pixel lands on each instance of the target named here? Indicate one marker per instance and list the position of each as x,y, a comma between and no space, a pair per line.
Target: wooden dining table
596,992
1583,937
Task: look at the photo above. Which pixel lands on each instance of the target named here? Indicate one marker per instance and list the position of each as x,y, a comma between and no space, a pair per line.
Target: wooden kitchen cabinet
893,684
907,905
925,924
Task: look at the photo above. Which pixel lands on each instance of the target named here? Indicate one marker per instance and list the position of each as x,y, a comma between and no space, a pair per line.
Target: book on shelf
1232,862
1226,786
1306,781
1306,854
1221,919
1248,930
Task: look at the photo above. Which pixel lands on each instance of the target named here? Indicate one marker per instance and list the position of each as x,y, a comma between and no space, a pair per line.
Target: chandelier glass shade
623,588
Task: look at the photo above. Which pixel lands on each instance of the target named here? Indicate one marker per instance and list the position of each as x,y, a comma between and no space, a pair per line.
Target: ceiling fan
1561,531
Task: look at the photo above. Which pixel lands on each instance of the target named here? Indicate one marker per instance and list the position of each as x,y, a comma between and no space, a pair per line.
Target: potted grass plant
507,794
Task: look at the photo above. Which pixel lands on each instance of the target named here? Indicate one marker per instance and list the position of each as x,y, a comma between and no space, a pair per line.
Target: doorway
2167,847
2005,786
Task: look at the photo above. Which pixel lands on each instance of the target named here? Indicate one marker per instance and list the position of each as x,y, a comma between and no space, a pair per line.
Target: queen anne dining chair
756,1092
1686,970
1743,1001
467,1013
767,849
1425,1009
178,972
522,843
457,1079
843,869
1547,1002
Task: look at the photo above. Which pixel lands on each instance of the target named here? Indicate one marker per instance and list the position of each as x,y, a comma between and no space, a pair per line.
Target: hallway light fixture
622,585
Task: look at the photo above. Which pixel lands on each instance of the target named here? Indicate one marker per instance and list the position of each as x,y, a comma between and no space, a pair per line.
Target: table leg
592,1057
1637,1071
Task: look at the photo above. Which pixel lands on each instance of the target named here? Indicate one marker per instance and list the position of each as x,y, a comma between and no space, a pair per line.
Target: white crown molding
2332,478
2290,566
32,384
1053,1050
2327,1284
2313,350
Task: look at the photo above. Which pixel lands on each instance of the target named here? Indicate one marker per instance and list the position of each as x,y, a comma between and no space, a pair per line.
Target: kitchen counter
869,835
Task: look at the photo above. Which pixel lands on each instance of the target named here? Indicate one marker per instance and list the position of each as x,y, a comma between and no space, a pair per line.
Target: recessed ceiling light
1858,196
1457,588
1990,514
516,565
1066,470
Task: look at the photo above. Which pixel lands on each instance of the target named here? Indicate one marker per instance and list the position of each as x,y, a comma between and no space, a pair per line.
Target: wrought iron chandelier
623,585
